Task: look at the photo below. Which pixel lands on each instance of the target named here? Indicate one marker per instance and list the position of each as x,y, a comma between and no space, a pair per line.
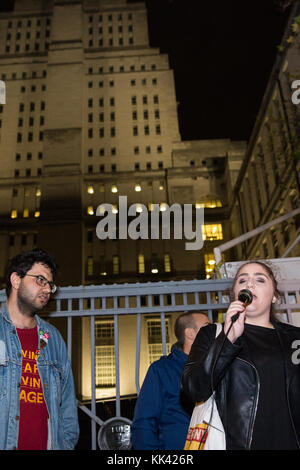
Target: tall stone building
91,114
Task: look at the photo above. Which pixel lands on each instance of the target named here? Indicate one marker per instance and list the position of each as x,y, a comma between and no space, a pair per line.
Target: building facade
268,184
91,115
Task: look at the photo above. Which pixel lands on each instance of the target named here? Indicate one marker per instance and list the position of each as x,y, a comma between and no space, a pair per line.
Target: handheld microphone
245,296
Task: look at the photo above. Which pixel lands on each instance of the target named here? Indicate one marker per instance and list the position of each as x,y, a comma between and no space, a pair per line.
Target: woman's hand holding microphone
236,313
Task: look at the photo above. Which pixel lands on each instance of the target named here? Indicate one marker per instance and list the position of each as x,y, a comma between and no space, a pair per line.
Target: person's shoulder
209,330
287,327
163,361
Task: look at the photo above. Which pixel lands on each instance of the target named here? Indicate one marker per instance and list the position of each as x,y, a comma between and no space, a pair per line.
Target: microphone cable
211,381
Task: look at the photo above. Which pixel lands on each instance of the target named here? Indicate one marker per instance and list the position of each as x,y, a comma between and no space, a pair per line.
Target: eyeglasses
42,281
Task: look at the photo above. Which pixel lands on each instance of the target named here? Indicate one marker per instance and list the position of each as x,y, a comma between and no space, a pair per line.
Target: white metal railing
218,250
138,299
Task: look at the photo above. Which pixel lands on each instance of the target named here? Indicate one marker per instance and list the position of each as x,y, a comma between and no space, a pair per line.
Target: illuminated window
208,202
167,263
105,354
14,214
209,264
90,210
38,192
212,232
155,347
141,264
116,264
26,213
90,266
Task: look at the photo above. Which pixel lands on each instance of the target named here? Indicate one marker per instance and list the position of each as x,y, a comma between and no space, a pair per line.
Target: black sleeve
196,375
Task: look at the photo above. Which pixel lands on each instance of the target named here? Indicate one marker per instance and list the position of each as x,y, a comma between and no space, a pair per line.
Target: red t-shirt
33,429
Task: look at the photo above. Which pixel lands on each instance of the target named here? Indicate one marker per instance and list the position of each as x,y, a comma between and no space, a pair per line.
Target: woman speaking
256,382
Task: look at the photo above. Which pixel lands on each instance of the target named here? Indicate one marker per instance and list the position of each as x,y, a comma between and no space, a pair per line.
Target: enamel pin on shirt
44,337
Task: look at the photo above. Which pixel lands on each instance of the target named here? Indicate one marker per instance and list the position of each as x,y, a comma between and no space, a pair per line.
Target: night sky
222,52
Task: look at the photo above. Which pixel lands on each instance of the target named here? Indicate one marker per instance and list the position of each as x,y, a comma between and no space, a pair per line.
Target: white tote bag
206,431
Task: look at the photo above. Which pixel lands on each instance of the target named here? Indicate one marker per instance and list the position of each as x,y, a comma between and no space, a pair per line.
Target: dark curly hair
23,262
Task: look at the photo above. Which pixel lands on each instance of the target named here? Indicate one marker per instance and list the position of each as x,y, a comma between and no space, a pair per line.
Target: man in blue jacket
38,406
162,414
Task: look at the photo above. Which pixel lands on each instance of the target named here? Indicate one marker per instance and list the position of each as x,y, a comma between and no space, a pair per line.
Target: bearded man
38,405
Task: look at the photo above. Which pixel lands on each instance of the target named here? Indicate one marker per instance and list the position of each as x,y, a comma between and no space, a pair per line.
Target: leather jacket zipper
256,403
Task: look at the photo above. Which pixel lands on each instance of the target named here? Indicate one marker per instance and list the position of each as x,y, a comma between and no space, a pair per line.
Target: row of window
24,239
136,151
111,83
31,121
32,88
32,106
145,100
24,75
29,156
27,172
112,117
110,42
26,192
135,130
28,47
112,69
134,100
18,36
114,188
113,167
113,132
205,202
25,214
109,29
28,23
109,17
141,265
30,137
146,114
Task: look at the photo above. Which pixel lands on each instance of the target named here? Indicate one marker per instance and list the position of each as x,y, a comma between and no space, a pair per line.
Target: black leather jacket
236,381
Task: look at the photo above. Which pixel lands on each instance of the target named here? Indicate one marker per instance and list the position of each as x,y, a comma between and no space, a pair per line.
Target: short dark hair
23,262
184,321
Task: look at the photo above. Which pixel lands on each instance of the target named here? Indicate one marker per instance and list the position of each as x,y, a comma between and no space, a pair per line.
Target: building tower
90,115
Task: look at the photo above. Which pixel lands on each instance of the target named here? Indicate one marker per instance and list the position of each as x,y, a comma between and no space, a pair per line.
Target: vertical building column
61,228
